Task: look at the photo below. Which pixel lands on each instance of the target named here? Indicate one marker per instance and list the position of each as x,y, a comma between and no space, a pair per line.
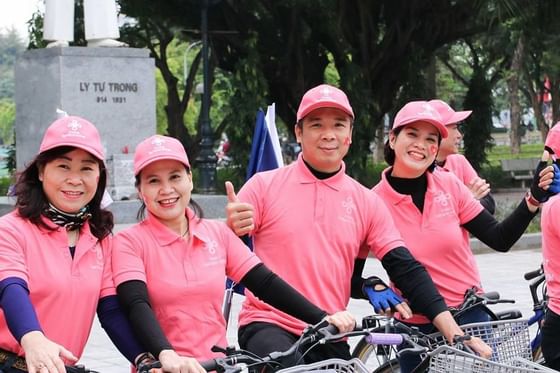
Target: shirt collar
335,182
390,195
166,236
85,230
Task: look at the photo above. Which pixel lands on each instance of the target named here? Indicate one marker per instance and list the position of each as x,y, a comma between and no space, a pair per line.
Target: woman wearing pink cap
55,268
170,269
550,228
448,156
435,212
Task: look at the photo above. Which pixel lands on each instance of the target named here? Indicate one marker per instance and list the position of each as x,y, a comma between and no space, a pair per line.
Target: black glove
537,193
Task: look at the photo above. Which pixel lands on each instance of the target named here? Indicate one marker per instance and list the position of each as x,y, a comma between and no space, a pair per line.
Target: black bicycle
383,358
237,360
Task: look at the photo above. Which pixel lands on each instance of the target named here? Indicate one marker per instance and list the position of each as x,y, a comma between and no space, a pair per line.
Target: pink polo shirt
435,237
461,167
185,279
310,232
550,228
63,291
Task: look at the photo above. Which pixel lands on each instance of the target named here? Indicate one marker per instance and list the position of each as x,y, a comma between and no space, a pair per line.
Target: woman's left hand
43,355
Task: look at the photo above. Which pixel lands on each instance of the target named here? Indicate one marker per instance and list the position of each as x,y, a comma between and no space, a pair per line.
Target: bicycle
239,360
509,340
384,358
142,368
537,287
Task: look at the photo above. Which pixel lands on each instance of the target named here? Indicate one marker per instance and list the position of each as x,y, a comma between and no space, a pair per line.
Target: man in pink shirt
448,156
314,226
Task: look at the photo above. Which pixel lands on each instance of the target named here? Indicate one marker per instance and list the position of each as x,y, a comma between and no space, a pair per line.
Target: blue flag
266,154
265,150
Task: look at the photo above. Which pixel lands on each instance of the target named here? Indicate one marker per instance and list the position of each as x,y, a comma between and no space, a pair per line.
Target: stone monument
114,88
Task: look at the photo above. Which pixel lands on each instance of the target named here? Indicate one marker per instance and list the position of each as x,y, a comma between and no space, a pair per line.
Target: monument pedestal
114,88
121,177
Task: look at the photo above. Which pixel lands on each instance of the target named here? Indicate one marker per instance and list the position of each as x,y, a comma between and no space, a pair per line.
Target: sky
16,13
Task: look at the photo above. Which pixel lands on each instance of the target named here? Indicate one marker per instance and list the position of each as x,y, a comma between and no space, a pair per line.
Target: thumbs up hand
239,214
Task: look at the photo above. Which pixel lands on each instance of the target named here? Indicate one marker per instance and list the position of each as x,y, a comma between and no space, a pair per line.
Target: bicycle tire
391,366
538,356
374,356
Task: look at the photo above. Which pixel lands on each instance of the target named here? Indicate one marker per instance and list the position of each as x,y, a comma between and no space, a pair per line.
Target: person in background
314,225
55,256
170,268
448,156
550,228
435,211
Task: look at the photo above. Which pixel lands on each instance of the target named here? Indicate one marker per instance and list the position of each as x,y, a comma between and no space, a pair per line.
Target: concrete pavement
501,272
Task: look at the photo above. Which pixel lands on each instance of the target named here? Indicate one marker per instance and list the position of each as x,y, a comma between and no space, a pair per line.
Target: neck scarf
66,220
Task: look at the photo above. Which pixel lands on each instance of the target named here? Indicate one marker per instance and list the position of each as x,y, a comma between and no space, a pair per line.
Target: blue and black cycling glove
540,194
380,295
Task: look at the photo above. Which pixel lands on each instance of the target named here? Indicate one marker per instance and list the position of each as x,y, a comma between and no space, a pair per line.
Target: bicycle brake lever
146,367
218,349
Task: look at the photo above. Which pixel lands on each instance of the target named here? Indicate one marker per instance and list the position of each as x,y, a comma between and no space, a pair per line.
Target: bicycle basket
329,366
509,339
445,359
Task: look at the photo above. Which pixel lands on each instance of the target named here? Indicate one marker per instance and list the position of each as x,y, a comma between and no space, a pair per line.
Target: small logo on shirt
211,247
443,199
214,258
348,207
98,257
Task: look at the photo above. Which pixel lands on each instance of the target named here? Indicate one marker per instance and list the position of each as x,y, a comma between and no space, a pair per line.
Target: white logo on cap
74,129
74,125
159,145
427,110
326,92
158,141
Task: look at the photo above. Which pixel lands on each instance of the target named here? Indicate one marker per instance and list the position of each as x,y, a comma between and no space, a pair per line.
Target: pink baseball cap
448,115
323,95
157,148
73,131
419,111
552,141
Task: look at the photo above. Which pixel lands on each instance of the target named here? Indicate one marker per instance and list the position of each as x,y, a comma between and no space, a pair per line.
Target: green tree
7,119
11,45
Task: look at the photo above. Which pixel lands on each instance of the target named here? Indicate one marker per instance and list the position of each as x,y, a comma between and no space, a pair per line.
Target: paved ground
501,272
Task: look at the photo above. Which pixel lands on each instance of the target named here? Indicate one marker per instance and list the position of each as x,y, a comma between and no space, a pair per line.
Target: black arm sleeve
357,281
133,297
410,276
500,236
270,288
488,203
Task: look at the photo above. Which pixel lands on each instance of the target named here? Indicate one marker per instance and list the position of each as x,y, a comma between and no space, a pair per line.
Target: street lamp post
206,158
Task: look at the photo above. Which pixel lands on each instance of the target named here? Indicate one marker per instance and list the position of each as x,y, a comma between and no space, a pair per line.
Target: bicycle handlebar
532,274
319,333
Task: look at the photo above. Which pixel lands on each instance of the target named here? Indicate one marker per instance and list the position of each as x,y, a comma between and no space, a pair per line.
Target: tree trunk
515,106
431,77
555,94
378,156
